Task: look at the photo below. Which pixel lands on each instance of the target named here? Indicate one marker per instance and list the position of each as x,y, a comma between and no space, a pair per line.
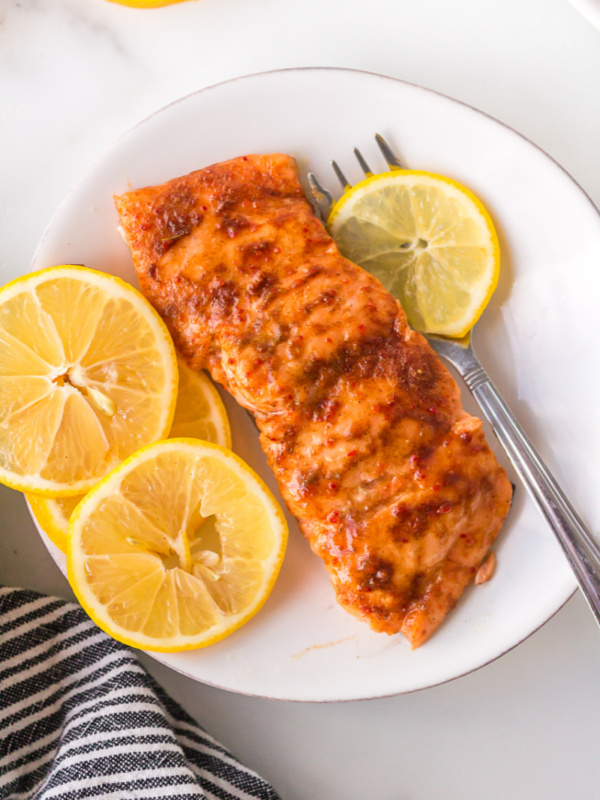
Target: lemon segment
199,414
430,242
88,375
177,547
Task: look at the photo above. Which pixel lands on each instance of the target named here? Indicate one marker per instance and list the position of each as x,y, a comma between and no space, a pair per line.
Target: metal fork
579,546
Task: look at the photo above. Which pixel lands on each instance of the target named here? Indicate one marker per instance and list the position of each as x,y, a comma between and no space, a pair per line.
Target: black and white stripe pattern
81,718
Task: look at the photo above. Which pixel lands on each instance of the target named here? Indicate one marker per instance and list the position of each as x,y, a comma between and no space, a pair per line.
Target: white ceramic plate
539,339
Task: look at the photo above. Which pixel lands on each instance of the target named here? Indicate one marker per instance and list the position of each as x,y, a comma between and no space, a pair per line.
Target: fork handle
576,541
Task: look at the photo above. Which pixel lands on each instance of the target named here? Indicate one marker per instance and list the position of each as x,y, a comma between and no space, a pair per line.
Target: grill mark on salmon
391,481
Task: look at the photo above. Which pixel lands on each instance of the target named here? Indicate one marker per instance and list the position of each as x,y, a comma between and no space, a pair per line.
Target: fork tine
345,183
388,153
363,164
321,196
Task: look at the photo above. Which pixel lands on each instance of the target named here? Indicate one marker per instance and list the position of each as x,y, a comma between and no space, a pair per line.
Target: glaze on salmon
391,481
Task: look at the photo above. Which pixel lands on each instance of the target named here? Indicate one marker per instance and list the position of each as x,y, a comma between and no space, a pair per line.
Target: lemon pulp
199,411
177,547
199,414
430,242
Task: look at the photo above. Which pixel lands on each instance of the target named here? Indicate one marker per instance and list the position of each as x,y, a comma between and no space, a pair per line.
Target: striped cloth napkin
81,718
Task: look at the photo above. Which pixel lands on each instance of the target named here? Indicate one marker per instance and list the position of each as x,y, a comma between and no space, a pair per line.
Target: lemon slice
146,3
145,571
199,414
52,515
428,240
88,375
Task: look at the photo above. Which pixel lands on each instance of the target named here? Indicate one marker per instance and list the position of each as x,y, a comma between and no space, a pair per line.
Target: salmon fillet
391,481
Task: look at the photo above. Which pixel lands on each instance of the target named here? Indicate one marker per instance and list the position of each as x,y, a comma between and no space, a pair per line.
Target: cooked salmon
391,481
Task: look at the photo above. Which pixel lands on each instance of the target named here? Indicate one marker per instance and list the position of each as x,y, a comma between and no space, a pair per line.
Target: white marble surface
74,74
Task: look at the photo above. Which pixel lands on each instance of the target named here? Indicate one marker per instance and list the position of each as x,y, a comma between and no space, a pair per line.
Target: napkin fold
81,718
